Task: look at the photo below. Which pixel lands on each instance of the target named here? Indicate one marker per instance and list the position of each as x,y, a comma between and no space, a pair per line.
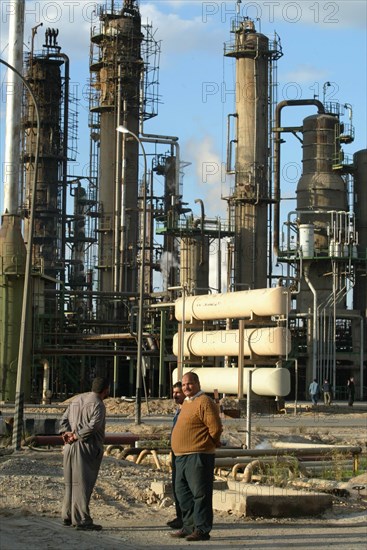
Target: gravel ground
134,517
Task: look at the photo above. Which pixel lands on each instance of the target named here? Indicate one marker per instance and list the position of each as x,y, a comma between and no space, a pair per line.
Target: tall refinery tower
116,77
250,202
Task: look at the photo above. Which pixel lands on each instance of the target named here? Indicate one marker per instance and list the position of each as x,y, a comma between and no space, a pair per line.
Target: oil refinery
80,254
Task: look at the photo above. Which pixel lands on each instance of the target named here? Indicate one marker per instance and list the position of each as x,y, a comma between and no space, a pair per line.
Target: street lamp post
139,360
19,390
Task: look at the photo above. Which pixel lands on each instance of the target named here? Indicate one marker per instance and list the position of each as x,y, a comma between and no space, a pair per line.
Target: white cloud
305,73
210,173
180,35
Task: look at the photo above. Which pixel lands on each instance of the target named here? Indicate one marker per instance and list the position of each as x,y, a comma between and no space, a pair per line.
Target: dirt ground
134,517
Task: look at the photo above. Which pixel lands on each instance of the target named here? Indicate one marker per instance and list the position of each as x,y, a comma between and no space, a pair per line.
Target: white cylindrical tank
264,341
268,382
306,240
234,305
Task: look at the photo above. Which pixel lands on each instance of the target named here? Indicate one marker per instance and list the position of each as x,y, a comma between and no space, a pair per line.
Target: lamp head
122,129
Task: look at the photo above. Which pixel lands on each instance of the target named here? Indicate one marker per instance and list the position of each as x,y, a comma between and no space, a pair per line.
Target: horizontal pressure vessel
234,305
263,341
268,382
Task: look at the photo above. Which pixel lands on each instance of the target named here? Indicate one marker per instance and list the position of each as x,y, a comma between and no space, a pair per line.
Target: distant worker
195,437
326,389
178,397
351,391
314,391
83,428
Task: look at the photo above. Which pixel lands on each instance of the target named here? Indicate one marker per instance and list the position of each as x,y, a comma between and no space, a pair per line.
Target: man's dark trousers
173,478
194,489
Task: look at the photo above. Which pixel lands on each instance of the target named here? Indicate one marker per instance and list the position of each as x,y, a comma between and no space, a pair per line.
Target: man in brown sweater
194,440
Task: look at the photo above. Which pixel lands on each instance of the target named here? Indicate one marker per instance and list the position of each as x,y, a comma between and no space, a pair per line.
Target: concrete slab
260,500
267,501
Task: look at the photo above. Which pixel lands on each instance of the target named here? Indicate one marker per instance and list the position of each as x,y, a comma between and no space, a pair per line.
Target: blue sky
322,42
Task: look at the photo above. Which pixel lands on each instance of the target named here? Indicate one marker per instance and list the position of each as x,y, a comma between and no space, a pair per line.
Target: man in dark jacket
351,391
178,397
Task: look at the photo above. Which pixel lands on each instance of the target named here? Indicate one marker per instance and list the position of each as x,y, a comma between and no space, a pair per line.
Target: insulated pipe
263,341
268,381
277,131
235,305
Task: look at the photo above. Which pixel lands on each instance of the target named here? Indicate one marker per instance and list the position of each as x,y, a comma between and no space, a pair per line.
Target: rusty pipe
293,465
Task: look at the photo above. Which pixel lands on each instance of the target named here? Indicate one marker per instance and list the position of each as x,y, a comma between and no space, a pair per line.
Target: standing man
194,440
351,391
178,397
314,391
83,428
326,388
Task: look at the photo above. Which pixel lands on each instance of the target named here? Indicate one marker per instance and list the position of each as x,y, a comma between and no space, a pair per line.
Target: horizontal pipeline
110,439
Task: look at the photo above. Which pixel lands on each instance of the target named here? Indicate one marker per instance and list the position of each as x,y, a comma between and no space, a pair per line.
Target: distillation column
47,74
322,208
251,196
44,76
360,207
116,75
320,191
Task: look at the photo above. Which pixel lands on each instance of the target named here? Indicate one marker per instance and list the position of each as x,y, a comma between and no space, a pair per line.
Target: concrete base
260,500
267,501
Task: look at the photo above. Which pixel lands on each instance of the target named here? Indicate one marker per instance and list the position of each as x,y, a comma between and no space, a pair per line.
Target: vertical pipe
162,378
13,109
248,409
181,364
219,257
361,360
65,159
117,205
123,266
296,386
314,322
241,328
